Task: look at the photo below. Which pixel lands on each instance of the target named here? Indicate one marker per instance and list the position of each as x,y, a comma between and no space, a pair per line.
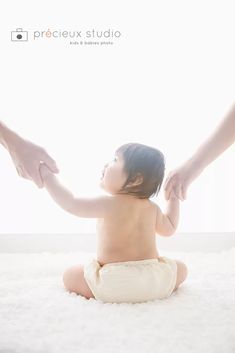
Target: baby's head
136,170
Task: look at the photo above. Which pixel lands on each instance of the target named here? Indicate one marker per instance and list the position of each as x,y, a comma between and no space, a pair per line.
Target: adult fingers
50,162
178,191
168,178
21,172
168,188
18,170
184,192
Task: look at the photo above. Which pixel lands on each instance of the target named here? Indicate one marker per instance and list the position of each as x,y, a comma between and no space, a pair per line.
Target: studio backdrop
81,81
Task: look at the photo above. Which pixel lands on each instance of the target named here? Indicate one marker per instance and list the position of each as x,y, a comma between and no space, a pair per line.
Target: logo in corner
19,35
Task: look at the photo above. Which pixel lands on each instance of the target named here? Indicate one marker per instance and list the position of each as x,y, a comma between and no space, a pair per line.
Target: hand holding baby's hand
44,171
172,195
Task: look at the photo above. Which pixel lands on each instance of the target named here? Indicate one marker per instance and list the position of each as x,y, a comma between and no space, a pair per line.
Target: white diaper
131,281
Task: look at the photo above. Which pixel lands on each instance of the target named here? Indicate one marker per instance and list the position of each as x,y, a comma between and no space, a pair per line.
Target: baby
128,267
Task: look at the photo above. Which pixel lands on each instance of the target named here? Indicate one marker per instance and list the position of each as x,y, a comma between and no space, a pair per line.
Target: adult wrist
196,165
8,138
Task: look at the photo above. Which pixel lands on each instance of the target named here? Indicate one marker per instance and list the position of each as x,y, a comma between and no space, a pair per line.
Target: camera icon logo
19,35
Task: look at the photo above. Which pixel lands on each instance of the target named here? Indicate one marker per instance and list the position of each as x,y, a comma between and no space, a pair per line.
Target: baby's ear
138,179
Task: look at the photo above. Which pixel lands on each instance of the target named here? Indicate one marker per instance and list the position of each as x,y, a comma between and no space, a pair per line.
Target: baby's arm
166,223
96,207
62,196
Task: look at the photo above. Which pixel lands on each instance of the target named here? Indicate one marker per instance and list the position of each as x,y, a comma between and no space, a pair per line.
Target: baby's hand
44,171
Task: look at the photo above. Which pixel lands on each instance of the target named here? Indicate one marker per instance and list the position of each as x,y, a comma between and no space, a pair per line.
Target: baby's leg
182,273
74,281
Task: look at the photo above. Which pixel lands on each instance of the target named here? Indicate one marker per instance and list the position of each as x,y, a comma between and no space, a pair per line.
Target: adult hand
27,158
216,143
179,179
44,171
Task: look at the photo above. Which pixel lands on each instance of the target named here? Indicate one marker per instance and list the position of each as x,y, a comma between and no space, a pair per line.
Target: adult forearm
221,139
7,136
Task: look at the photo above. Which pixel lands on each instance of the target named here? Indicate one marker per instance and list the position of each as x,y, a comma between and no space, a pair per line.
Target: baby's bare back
128,232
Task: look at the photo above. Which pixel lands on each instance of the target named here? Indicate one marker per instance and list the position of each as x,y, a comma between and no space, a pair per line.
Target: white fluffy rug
38,315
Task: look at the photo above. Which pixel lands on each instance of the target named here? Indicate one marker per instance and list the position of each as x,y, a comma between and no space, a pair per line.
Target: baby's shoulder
153,204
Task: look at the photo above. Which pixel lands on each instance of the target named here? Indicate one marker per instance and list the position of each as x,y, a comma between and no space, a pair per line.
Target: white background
166,82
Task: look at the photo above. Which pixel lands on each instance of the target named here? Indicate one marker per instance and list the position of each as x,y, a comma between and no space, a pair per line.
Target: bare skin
128,232
126,226
26,155
220,140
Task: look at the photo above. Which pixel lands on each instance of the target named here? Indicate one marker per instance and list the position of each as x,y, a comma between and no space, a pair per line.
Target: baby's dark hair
146,161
